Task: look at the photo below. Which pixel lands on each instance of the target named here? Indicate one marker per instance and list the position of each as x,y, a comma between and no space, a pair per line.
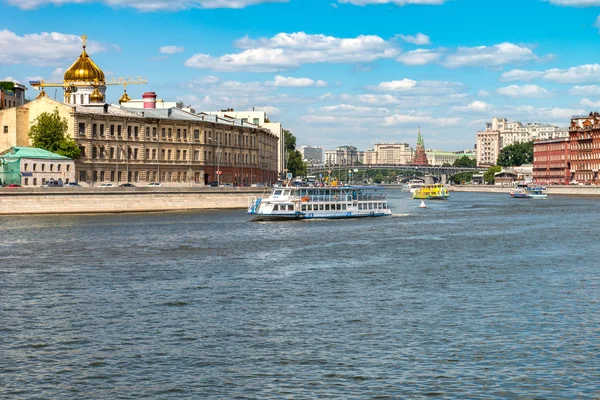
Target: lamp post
218,159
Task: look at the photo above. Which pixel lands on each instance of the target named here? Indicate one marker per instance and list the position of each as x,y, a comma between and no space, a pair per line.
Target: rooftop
17,152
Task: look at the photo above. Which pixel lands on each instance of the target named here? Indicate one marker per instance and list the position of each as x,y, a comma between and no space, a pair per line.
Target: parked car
104,185
13,185
53,183
213,184
72,184
126,185
226,185
154,184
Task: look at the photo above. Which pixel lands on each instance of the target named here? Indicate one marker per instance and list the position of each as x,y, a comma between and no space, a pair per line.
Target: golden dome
84,69
125,98
96,97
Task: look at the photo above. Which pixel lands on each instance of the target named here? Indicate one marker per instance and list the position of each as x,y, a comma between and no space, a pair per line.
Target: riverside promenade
22,201
552,190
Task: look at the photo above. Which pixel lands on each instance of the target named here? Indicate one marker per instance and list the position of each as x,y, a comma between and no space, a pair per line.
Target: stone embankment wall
570,190
121,200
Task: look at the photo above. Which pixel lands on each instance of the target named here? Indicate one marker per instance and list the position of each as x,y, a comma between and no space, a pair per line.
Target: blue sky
334,72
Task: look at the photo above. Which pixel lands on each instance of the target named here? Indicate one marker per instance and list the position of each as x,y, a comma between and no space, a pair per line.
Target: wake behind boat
331,202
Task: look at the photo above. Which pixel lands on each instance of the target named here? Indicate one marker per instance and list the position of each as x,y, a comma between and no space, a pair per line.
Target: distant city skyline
339,72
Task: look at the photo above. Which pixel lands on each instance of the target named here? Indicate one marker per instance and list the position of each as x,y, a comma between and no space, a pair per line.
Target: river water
481,296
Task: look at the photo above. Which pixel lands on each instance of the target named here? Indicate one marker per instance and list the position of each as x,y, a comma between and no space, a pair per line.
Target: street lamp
218,159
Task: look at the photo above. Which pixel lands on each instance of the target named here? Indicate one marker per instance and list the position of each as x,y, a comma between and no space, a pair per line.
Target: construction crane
71,86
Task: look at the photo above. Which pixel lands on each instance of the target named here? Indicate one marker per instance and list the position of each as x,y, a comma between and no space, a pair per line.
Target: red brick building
584,134
551,162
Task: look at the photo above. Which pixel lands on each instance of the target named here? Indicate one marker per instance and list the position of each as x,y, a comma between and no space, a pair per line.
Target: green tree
465,162
294,163
516,154
49,132
378,178
488,176
461,177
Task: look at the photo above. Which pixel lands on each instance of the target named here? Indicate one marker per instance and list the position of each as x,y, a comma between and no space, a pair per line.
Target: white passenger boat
331,202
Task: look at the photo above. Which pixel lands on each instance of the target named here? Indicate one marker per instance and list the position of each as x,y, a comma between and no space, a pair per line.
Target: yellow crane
71,86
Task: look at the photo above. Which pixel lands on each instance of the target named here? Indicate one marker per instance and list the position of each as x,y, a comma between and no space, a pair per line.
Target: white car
153,184
106,185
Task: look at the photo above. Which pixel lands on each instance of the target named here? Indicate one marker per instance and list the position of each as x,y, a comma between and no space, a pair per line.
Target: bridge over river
438,173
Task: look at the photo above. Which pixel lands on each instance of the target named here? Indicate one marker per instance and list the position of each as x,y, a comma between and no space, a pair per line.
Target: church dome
84,69
125,98
96,97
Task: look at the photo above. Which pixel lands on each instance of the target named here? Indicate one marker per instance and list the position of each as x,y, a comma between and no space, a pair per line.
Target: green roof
17,152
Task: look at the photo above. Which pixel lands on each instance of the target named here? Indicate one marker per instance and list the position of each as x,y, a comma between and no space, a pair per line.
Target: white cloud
419,57
499,54
587,73
575,3
520,75
399,119
270,110
290,50
42,49
149,5
171,49
417,101
282,81
11,79
590,104
352,110
482,93
523,91
418,39
409,86
476,106
396,2
591,90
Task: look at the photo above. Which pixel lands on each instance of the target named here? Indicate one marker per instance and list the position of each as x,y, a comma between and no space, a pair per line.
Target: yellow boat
431,192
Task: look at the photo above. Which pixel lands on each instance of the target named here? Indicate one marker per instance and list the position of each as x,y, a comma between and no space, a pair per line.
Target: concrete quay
552,190
23,201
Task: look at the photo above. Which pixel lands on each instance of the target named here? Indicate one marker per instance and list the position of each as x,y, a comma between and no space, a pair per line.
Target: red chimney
149,100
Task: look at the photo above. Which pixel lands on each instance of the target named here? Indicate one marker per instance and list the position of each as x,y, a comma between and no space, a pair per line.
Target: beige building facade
170,146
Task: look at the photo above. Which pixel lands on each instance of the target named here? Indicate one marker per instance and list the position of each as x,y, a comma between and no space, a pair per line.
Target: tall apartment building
585,148
312,154
343,155
500,132
551,161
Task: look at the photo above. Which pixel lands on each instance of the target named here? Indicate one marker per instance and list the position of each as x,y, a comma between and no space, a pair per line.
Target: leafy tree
295,165
516,154
488,176
48,132
446,164
378,178
465,162
461,177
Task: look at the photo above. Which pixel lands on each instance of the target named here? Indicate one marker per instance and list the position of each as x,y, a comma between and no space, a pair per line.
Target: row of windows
221,138
51,167
34,181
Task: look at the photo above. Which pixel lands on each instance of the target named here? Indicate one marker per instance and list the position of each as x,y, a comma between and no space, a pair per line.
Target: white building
125,101
500,133
312,154
343,155
393,153
261,119
438,158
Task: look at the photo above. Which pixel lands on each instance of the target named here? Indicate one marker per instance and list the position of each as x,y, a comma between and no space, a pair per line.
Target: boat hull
303,216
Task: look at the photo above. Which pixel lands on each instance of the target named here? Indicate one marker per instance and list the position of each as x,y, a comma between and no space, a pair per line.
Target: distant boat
414,185
431,192
524,191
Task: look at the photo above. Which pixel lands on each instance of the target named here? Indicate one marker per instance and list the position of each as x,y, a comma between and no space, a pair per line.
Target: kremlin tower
420,157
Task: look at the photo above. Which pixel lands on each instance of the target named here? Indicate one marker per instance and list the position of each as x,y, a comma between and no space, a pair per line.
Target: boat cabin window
303,207
343,207
286,192
290,207
275,207
321,207
277,193
326,207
